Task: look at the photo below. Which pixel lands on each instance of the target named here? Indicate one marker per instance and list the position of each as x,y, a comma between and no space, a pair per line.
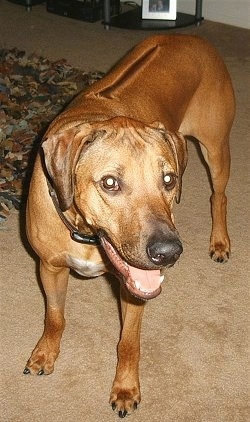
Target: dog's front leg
55,282
125,393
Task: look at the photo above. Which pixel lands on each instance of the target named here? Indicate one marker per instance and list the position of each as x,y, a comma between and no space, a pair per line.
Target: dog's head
123,177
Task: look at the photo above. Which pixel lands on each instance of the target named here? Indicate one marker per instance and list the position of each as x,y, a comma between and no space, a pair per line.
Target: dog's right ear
61,153
179,148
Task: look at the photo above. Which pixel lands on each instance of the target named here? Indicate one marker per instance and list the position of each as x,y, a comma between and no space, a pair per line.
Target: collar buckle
84,238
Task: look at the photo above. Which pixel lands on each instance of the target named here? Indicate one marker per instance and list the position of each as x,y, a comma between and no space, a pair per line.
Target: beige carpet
195,336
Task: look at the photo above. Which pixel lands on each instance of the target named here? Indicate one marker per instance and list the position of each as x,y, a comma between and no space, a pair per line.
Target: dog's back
157,81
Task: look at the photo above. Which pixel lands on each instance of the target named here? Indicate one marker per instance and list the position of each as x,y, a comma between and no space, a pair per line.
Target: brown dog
105,181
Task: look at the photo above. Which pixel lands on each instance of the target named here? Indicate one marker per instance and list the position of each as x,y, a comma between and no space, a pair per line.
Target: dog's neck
75,234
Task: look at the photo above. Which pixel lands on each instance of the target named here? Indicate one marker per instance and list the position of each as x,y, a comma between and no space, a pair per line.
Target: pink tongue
147,280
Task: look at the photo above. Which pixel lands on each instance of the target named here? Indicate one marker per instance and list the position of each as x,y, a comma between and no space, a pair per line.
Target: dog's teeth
139,287
161,278
137,284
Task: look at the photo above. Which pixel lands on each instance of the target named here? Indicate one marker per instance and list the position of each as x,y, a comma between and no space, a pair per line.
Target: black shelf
133,20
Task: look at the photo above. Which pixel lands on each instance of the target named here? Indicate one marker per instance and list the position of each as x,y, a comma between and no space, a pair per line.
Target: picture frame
159,9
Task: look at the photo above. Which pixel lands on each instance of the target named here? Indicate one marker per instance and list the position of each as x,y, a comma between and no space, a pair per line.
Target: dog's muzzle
142,283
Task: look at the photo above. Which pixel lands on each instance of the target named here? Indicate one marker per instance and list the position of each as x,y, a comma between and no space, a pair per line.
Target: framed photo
159,9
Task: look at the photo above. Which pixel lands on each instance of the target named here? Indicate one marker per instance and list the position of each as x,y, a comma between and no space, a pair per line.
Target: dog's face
123,178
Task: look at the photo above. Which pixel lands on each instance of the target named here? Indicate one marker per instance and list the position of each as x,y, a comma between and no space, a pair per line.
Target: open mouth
144,284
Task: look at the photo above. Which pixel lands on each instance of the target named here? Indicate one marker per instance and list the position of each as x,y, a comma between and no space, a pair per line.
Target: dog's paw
41,362
124,402
219,253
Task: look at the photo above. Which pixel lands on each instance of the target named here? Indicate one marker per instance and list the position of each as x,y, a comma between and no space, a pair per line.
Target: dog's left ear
61,154
179,148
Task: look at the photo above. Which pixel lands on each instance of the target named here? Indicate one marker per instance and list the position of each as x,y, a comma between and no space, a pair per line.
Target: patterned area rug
33,90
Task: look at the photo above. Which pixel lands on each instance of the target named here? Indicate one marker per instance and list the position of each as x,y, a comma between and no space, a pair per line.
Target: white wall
232,12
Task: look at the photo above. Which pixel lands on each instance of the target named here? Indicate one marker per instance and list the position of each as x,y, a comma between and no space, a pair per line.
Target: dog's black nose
163,250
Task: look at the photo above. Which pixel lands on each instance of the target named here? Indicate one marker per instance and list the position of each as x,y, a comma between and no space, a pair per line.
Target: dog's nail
135,405
26,371
122,414
41,372
113,405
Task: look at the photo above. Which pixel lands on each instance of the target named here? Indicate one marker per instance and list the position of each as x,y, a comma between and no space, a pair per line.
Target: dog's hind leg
211,126
125,393
218,160
55,282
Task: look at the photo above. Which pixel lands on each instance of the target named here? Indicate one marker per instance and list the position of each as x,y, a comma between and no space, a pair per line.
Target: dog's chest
84,267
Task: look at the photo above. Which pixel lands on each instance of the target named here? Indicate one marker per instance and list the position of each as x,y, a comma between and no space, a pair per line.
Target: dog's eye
110,183
169,181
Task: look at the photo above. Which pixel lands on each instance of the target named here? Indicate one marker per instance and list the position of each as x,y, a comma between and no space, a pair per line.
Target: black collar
74,233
